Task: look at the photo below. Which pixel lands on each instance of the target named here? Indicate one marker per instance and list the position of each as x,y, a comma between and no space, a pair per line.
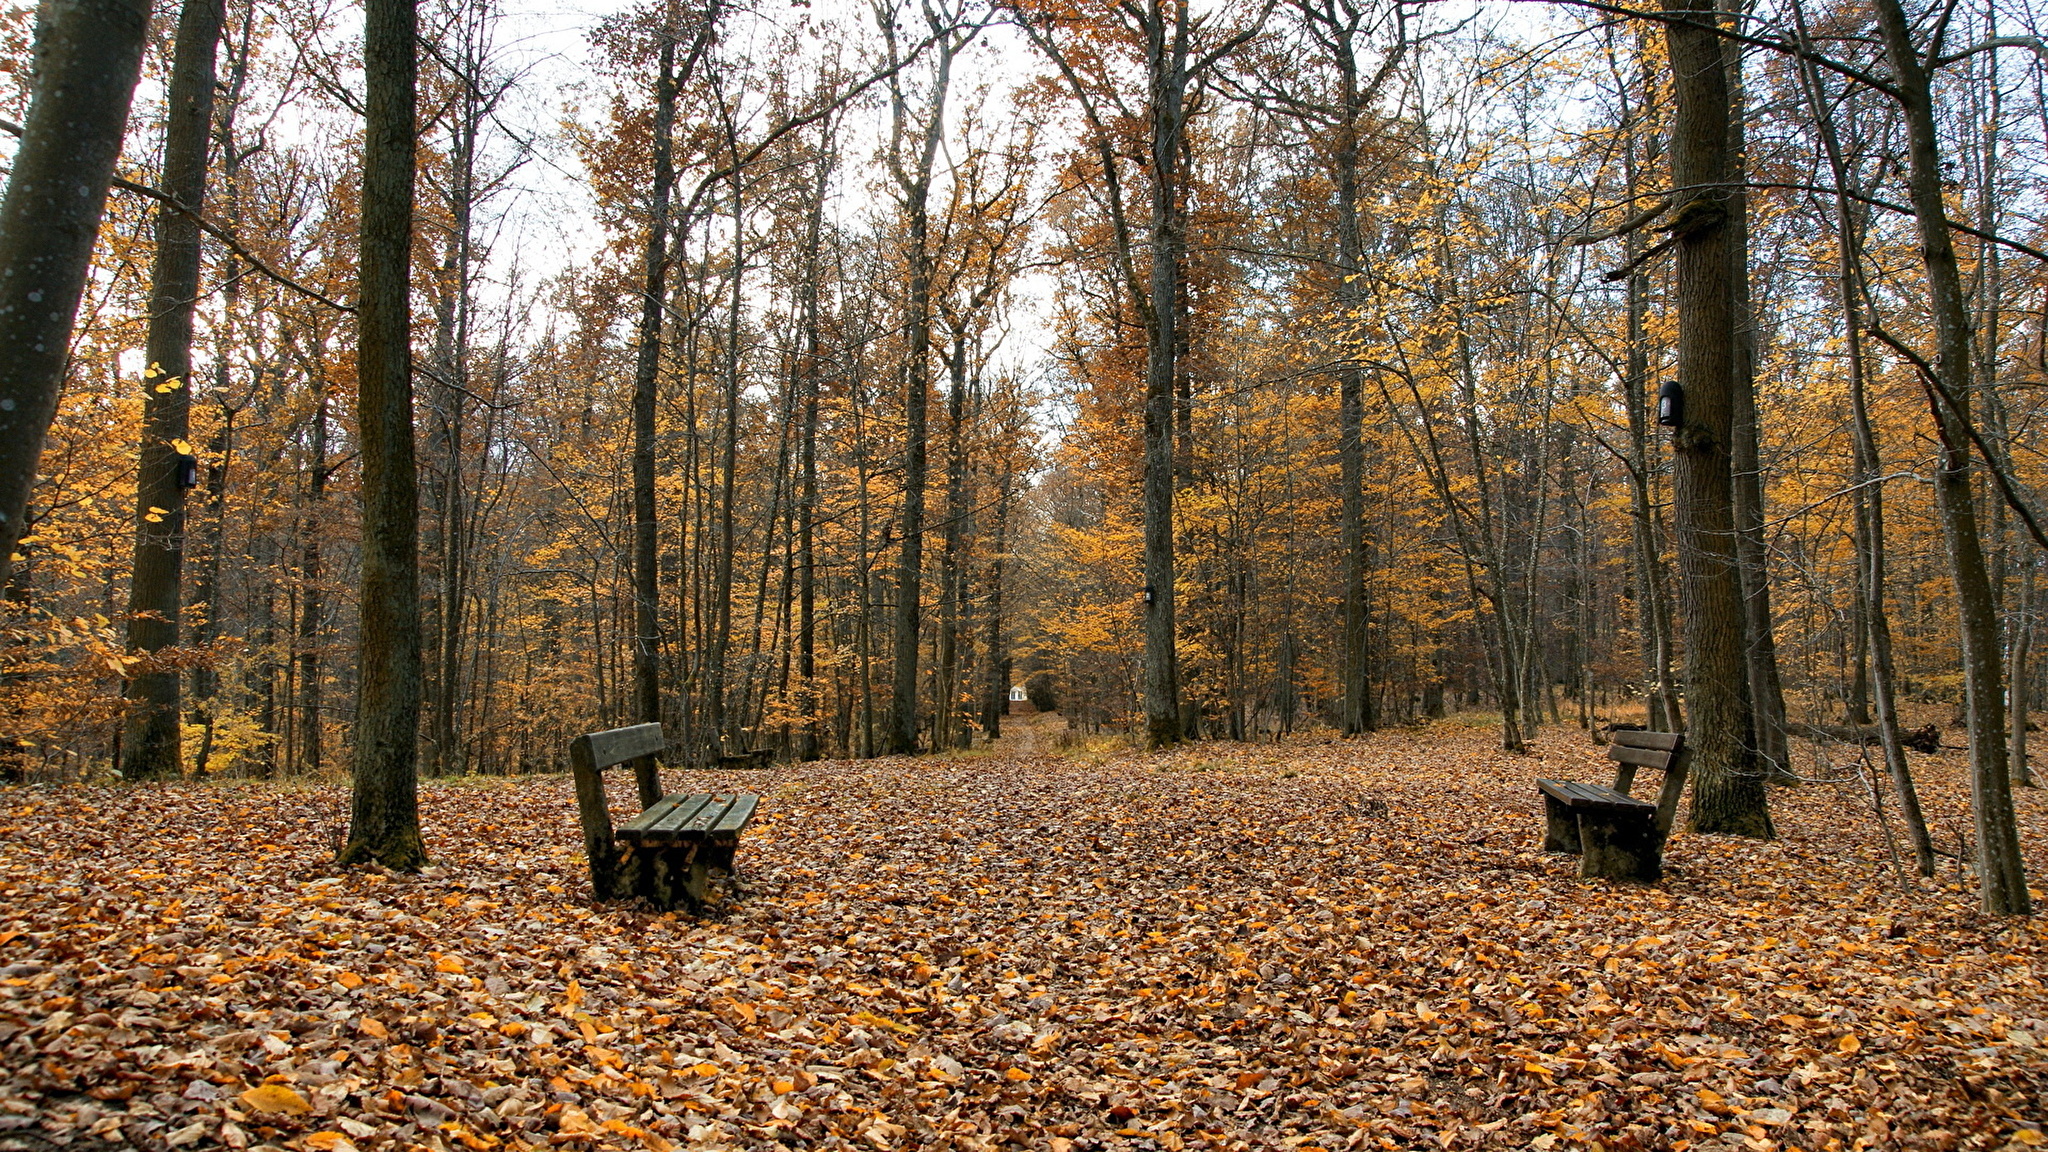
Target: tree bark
1166,62
2001,871
1760,649
151,747
384,824
1728,789
646,372
88,56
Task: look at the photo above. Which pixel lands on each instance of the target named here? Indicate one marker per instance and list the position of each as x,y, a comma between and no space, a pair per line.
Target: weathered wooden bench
1617,836
667,854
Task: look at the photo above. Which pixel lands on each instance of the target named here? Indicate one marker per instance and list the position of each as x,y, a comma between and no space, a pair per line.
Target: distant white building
1017,695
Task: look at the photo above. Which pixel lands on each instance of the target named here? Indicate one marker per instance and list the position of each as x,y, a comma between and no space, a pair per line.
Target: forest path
1036,734
1319,943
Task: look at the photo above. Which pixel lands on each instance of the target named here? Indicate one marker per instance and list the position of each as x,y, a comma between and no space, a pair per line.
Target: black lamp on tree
188,471
1671,404
1150,595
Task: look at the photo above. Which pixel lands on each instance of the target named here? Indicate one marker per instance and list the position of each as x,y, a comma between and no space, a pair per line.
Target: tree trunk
1166,61
1728,790
384,823
1869,508
646,371
311,612
2001,871
1760,649
150,745
88,56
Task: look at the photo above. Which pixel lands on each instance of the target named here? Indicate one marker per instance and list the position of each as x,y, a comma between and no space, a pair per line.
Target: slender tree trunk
2001,870
1760,649
1727,781
1653,598
311,610
646,372
2018,674
150,745
949,727
384,822
1869,536
88,56
996,701
901,739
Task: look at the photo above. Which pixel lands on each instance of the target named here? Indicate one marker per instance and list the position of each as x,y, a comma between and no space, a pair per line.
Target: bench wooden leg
667,876
718,855
1621,846
1561,826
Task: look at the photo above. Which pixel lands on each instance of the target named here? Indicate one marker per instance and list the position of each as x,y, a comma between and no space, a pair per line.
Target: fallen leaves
275,1098
1370,953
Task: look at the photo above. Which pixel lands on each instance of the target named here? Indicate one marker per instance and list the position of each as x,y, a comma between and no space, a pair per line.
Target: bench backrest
601,750
589,756
1660,751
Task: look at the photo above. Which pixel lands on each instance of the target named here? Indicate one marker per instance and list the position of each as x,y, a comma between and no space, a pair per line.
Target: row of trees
1219,370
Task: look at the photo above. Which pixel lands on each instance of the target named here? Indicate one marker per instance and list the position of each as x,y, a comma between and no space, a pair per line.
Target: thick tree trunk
150,744
2001,871
88,56
1728,788
1166,60
384,823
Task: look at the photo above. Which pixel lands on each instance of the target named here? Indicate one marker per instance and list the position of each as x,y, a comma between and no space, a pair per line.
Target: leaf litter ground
1322,944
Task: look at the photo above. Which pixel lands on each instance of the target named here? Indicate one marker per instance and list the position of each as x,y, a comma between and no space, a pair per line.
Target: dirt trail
1033,735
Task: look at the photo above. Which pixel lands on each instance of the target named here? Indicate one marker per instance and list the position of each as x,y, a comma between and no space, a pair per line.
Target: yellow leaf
707,1068
330,1142
349,980
1849,1044
182,447
781,1086
1016,1075
2030,1137
574,1121
276,1098
450,964
370,1026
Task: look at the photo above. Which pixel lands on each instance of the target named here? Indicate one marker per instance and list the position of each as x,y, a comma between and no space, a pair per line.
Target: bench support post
1561,826
1621,846
596,820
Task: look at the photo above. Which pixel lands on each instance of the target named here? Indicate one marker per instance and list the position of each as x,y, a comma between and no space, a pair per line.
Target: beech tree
384,821
88,58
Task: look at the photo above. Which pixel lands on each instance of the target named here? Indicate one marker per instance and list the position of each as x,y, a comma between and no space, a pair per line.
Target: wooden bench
1617,836
665,855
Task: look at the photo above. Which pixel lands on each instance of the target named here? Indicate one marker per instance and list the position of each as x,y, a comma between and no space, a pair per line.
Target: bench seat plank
667,819
1592,796
736,816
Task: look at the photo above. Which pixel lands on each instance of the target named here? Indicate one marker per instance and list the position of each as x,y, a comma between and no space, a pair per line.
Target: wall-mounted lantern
188,472
1671,404
1150,595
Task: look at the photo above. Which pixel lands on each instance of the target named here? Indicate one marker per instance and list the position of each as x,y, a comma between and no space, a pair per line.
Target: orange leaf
276,1098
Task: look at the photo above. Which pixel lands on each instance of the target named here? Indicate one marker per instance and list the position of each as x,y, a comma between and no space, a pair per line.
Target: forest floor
1319,944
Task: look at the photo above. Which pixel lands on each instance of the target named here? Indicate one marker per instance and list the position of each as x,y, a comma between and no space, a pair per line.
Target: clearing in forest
1323,944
